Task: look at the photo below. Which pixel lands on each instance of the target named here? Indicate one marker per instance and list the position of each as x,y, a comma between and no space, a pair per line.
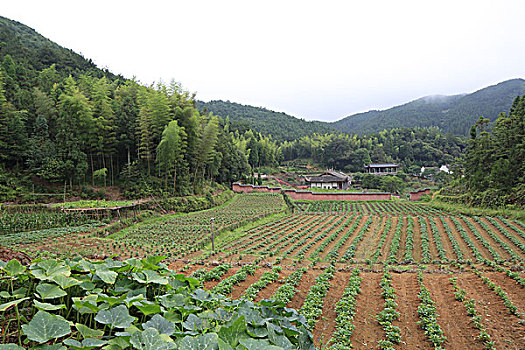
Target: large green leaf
117,317
194,323
6,306
45,326
47,269
234,332
47,306
148,276
65,281
279,339
258,344
87,332
162,325
89,343
50,291
117,343
150,339
14,267
207,341
106,275
148,307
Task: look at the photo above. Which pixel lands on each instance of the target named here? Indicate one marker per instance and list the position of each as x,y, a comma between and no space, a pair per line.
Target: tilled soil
506,330
325,327
369,303
453,318
407,290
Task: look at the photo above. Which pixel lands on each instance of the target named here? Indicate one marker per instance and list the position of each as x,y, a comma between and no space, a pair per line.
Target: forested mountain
63,120
454,114
33,52
280,125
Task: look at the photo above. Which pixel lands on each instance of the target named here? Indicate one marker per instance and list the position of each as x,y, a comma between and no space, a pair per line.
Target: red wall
416,195
314,196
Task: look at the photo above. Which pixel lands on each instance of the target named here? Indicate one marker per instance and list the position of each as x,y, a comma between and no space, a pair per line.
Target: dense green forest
494,166
281,126
454,114
410,147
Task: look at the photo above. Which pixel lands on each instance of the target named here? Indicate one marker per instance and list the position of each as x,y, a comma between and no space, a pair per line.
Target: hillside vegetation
281,126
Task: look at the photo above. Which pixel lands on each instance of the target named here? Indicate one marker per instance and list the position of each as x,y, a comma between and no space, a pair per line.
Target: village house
382,169
330,179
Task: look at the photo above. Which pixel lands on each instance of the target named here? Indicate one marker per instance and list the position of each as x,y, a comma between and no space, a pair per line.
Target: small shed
330,179
382,169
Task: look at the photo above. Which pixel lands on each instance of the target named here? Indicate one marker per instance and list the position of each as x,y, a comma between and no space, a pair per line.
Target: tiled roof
386,165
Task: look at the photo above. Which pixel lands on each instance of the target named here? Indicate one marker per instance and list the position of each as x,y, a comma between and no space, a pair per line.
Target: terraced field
387,275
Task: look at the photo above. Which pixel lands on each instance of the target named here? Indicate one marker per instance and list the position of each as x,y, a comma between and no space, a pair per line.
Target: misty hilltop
454,114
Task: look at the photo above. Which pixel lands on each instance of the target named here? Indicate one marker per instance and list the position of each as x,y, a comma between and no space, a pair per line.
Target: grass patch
518,214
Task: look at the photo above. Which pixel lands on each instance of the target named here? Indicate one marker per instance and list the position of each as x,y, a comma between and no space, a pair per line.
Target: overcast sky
313,59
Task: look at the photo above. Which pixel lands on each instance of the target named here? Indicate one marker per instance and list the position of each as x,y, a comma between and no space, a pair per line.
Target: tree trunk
174,179
104,166
129,162
111,165
92,170
195,178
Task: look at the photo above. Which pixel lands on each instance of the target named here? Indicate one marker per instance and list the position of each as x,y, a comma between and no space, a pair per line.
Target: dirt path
505,329
325,326
369,303
453,318
407,290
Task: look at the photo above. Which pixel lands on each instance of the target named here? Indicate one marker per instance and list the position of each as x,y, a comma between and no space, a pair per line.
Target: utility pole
212,237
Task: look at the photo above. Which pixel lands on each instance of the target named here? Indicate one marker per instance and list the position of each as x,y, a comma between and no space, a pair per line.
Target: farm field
364,275
347,266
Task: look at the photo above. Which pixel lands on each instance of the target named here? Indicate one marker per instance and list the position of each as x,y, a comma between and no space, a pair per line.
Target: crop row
470,306
389,313
313,304
427,312
345,309
286,292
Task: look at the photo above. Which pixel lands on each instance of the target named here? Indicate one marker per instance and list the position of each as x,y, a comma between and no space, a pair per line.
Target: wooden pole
212,237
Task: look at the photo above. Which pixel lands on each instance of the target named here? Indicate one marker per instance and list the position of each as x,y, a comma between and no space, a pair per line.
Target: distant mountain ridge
454,114
281,126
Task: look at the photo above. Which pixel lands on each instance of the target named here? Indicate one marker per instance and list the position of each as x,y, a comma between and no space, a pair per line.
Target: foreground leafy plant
139,304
